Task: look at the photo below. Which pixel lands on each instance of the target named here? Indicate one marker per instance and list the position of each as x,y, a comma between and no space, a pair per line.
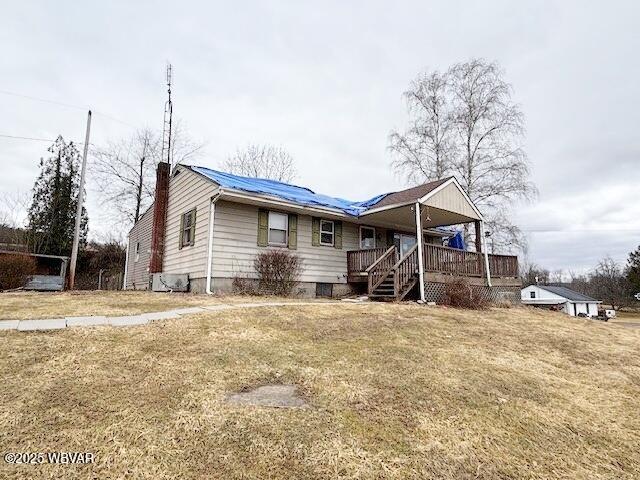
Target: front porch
388,275
411,257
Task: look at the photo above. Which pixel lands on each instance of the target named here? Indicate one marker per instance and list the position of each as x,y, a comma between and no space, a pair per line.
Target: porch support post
486,256
478,230
420,258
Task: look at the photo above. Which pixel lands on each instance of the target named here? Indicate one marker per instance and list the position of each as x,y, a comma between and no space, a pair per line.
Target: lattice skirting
433,292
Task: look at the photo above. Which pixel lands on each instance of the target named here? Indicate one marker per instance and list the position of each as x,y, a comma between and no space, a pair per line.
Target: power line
68,105
17,137
37,99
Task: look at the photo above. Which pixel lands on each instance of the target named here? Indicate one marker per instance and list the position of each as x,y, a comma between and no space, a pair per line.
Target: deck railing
360,260
442,260
503,265
451,260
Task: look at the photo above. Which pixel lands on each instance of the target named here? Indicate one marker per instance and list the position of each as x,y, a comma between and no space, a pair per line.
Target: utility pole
76,235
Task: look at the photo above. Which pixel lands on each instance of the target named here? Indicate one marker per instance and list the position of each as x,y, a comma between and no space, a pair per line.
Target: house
208,226
560,298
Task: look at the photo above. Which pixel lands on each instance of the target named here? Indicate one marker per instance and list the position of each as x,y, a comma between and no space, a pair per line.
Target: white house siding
235,246
450,199
138,269
187,190
544,297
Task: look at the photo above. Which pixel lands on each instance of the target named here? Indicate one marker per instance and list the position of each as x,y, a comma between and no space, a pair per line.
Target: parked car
606,315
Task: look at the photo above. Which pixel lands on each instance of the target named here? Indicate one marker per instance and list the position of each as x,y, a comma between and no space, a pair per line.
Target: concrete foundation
224,286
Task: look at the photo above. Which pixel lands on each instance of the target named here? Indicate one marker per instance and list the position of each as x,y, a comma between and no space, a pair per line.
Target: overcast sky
324,80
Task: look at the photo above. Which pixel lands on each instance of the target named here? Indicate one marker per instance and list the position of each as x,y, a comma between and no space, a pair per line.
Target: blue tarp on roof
286,191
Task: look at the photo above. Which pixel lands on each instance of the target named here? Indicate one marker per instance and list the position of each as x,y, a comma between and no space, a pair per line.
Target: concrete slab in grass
88,321
9,324
45,324
128,321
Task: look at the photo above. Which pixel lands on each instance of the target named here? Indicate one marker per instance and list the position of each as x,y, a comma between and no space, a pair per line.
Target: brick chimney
159,217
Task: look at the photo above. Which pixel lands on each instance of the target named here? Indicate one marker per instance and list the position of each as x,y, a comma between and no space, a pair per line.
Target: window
188,228
137,251
532,295
326,232
324,290
278,226
367,237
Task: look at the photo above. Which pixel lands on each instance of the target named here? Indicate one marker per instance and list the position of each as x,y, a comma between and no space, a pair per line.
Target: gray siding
235,246
138,269
187,190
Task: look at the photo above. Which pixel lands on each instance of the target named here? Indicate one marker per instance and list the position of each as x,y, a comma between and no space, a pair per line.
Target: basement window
324,290
326,232
188,228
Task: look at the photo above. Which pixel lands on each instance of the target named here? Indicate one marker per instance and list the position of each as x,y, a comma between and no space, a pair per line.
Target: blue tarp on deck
286,191
457,241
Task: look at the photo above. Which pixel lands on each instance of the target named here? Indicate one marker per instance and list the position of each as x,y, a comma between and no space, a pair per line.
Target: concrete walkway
132,320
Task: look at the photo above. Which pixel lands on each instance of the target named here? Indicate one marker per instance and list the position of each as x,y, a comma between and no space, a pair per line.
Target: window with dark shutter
188,228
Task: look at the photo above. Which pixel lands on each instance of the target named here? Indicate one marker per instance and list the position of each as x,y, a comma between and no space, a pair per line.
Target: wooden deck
437,259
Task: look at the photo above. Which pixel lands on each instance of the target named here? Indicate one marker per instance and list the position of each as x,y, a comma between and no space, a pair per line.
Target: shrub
460,294
16,270
278,271
243,286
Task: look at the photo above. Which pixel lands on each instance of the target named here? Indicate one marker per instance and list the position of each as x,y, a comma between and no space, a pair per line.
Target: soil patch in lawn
279,396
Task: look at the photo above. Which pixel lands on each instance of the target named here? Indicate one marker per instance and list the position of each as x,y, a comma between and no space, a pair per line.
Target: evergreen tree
633,270
55,196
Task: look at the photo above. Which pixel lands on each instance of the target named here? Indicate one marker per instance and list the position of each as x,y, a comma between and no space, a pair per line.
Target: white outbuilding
560,298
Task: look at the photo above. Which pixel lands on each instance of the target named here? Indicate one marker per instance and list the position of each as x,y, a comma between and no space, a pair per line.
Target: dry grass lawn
396,391
35,305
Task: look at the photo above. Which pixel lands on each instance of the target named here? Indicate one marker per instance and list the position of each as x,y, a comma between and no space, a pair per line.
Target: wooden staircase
390,278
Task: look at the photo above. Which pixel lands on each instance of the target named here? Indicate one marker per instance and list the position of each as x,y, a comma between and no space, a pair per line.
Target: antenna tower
168,112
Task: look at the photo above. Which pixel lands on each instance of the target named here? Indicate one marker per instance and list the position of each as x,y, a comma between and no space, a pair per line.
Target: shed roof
568,293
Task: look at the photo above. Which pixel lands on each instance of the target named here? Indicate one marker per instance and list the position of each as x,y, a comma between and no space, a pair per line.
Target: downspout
212,213
420,259
126,264
486,255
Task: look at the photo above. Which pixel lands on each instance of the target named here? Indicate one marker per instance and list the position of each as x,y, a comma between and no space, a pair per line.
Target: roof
306,196
568,293
286,191
410,194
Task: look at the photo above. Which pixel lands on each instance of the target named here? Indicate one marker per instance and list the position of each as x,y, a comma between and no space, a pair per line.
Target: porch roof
445,203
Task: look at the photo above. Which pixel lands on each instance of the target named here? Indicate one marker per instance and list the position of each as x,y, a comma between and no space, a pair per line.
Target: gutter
212,212
126,263
486,254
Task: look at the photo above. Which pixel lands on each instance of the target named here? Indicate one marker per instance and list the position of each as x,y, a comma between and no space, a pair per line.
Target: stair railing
405,269
380,269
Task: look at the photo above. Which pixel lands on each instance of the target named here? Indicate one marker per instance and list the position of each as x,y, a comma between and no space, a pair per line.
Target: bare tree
124,172
424,150
262,161
468,117
609,284
13,219
532,274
